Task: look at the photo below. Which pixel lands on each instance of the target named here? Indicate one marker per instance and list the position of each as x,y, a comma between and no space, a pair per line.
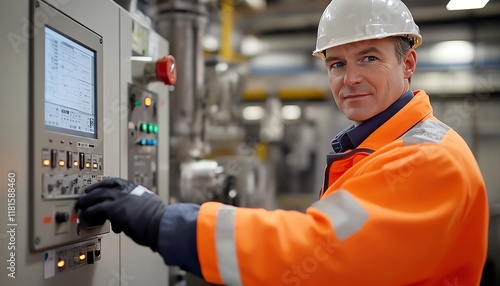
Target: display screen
70,86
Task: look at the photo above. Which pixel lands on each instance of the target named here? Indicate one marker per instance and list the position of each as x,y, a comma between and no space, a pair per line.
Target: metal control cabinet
66,138
38,171
144,137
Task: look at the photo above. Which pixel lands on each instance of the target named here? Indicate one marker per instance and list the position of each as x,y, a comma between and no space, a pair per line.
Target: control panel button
62,217
144,127
166,70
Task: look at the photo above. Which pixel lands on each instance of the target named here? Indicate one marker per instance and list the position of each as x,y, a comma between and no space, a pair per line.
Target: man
403,201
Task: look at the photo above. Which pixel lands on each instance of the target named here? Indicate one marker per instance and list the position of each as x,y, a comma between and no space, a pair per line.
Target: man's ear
410,63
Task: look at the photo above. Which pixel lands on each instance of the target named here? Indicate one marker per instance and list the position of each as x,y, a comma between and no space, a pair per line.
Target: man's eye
370,59
336,65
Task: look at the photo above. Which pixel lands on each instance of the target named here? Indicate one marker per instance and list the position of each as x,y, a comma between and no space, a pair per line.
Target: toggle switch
62,217
53,158
81,158
69,159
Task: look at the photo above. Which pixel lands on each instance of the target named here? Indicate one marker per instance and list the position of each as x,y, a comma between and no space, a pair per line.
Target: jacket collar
351,137
418,109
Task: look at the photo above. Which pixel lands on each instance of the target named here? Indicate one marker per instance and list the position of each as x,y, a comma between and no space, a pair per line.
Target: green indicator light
137,103
144,127
155,128
150,128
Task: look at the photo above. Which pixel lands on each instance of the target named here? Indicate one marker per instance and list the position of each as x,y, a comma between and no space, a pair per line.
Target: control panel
67,123
143,137
71,257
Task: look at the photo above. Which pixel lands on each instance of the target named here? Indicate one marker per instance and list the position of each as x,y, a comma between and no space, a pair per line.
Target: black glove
130,208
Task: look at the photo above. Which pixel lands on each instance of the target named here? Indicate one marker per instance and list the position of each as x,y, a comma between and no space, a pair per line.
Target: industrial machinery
94,97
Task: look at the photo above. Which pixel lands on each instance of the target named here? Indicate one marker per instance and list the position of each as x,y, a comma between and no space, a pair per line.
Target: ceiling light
251,45
466,4
210,43
290,112
251,113
256,4
452,52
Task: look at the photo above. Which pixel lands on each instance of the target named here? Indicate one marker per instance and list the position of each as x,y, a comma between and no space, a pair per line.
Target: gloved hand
130,208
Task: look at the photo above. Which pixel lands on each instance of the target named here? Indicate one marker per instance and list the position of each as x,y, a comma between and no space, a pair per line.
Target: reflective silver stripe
226,246
346,215
426,131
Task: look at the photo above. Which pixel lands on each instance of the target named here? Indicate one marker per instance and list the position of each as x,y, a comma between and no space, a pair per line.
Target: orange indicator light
61,263
75,163
95,165
62,163
46,162
147,101
87,165
82,257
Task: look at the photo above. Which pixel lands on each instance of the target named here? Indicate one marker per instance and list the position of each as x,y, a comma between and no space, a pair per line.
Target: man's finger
96,197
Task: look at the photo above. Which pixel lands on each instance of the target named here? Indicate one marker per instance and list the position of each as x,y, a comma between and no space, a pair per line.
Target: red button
166,70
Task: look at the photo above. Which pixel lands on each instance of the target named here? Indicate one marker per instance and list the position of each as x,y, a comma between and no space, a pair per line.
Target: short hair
402,45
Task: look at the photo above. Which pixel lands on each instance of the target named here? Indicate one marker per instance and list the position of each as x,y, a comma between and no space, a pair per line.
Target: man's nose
352,75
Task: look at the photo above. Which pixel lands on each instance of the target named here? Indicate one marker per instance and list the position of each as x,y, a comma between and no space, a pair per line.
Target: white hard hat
347,21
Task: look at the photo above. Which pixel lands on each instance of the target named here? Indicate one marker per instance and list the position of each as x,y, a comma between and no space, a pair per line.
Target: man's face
365,77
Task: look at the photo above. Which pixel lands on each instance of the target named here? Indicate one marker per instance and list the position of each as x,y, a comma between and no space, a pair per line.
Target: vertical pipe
227,23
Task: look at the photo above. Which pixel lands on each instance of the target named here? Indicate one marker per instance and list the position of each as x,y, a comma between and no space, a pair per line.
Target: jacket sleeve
390,223
177,237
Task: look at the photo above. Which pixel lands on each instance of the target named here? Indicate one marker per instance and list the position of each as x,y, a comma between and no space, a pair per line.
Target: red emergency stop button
166,71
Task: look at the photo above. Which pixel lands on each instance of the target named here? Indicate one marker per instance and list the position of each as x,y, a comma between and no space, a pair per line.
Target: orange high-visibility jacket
407,207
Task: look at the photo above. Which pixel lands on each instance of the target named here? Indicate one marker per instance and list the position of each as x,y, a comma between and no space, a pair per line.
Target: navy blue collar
352,136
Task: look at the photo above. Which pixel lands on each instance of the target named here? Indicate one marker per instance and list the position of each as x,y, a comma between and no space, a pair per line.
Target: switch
62,217
53,158
90,257
81,158
69,159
